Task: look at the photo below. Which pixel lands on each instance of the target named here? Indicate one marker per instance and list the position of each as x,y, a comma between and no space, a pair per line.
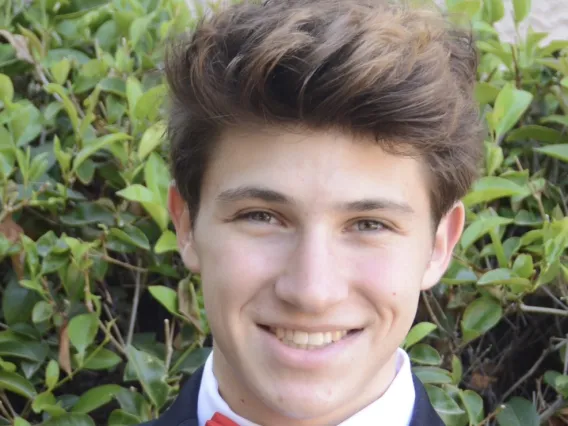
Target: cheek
235,269
390,275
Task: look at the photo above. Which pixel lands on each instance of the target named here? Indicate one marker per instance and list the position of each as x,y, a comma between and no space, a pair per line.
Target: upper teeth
306,340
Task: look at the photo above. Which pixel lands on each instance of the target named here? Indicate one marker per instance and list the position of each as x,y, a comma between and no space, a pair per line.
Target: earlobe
447,236
179,213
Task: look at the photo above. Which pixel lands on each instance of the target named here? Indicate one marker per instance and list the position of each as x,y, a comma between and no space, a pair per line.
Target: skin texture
310,231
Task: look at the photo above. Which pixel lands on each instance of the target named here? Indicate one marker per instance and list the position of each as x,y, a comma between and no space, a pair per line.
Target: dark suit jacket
183,411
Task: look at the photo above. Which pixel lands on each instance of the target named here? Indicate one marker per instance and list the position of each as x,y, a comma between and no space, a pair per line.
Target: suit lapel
423,413
183,411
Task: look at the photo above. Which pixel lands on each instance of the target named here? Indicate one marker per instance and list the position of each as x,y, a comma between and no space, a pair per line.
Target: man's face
313,249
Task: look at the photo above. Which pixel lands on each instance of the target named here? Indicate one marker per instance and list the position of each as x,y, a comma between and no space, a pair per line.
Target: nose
312,280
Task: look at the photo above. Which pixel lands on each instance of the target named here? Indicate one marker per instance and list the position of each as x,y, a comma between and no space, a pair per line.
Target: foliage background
100,321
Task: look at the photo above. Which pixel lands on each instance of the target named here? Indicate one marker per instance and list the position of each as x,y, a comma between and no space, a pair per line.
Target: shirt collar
394,407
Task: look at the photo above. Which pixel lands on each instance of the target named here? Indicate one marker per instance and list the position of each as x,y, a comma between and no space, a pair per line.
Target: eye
367,225
258,216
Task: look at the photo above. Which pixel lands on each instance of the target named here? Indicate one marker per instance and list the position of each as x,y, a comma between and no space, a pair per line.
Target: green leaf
151,373
42,312
18,303
18,421
481,226
148,107
46,402
503,276
493,158
54,262
556,151
518,412
457,370
157,178
467,7
95,398
86,171
523,266
104,359
114,85
433,375
424,355
166,243
51,374
133,93
88,213
490,188
82,330
139,27
541,134
60,71
417,333
556,119
139,194
122,418
166,296
6,89
15,383
480,316
473,404
152,138
70,419
96,145
53,88
510,105
522,9
486,93
495,10
443,403
131,235
29,351
159,213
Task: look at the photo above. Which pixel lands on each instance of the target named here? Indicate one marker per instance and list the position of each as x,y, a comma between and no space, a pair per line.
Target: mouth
300,339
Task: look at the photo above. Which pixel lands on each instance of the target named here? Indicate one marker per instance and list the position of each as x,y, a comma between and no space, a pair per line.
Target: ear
179,213
447,236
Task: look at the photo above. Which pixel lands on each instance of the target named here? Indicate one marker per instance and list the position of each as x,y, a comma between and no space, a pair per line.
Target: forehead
314,167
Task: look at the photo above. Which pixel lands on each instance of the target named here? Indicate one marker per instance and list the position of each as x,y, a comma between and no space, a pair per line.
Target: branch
541,310
529,373
134,312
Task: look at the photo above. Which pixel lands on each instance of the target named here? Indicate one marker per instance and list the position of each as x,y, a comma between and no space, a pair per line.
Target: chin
304,401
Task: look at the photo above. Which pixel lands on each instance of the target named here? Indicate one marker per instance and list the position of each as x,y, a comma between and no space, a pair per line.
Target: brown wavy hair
400,74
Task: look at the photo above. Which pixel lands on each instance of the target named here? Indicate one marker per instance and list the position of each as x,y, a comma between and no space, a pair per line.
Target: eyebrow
271,196
253,192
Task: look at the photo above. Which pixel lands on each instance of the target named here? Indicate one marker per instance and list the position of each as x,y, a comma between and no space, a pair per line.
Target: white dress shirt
393,408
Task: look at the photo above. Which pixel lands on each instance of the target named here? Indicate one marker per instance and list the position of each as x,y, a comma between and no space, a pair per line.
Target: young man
320,149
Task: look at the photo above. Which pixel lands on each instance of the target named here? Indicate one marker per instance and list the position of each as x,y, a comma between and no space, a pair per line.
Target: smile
303,340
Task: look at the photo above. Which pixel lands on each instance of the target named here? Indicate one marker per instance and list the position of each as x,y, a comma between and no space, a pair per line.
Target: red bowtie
220,420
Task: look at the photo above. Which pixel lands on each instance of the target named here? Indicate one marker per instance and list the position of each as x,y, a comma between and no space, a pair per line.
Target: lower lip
309,359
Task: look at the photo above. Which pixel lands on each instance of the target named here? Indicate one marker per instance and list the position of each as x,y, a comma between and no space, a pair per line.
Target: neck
245,403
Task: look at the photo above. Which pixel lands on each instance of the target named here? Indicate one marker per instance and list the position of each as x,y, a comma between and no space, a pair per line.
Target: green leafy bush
100,321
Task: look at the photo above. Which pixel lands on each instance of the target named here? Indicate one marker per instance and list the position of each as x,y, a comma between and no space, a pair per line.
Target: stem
80,367
169,331
4,411
114,327
134,306
109,259
542,310
6,403
529,373
432,315
550,411
184,355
